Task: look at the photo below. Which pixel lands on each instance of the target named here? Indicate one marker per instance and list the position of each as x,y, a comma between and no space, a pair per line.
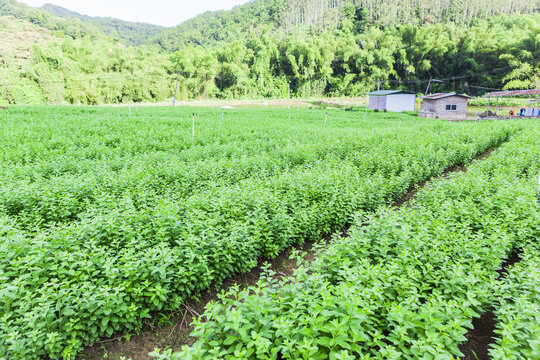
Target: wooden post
193,129
289,91
428,85
176,88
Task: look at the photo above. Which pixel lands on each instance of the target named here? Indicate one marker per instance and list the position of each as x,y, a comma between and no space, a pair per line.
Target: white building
392,100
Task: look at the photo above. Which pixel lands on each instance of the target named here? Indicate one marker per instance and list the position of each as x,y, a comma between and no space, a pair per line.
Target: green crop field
110,216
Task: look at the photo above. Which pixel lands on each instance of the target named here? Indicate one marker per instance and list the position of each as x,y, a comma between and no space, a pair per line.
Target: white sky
160,12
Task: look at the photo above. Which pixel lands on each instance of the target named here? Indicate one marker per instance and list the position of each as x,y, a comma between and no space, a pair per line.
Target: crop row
518,307
406,283
70,169
113,259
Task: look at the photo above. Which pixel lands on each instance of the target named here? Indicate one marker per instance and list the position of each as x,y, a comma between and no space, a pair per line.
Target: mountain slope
214,27
73,28
316,16
17,37
133,33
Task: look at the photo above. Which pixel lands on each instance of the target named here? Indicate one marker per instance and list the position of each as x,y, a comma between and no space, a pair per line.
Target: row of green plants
42,186
518,307
406,283
132,253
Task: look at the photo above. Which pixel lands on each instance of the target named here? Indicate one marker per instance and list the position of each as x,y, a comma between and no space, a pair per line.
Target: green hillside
45,59
214,27
133,33
262,49
318,16
73,28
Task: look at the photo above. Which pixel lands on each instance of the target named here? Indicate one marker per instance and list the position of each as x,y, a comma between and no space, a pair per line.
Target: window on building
451,107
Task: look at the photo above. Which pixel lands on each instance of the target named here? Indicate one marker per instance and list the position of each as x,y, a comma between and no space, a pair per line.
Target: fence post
325,119
193,129
176,88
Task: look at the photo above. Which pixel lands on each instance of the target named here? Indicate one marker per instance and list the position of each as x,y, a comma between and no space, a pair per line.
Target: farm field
406,283
111,216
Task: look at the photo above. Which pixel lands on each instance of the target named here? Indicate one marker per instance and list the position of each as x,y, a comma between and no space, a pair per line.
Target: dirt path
482,335
176,330
261,103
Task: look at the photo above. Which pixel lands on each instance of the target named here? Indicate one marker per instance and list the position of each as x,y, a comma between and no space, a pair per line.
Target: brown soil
512,260
482,335
479,338
176,333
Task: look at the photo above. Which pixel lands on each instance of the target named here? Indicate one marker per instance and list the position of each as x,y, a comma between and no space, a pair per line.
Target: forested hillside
316,16
45,59
260,49
133,33
73,28
499,52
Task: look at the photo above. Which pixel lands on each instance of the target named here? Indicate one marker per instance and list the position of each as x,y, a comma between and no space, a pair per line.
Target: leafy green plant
107,220
406,283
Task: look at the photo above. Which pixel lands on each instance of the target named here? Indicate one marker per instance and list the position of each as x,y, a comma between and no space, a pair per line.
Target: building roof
389,92
513,93
443,95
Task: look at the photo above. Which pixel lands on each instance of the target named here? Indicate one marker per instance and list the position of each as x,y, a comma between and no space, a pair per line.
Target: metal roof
513,93
389,92
443,95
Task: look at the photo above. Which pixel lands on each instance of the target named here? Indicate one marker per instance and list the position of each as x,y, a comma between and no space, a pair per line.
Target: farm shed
392,100
450,106
531,111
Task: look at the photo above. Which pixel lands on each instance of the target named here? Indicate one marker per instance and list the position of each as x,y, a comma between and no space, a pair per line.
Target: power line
461,76
486,88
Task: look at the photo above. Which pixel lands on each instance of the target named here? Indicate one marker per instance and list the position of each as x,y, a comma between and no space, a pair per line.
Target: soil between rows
176,332
482,335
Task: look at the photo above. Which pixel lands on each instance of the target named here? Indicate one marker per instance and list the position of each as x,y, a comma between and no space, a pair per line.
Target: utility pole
176,88
429,84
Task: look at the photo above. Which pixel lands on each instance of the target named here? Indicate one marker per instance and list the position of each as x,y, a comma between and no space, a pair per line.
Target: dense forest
316,16
499,52
260,49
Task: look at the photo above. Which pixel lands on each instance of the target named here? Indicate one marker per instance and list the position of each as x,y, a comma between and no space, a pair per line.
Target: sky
160,12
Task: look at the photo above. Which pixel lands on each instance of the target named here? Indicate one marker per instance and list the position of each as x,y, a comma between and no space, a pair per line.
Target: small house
449,106
392,100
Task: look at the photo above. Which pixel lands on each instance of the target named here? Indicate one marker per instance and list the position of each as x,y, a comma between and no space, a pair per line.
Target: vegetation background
51,55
